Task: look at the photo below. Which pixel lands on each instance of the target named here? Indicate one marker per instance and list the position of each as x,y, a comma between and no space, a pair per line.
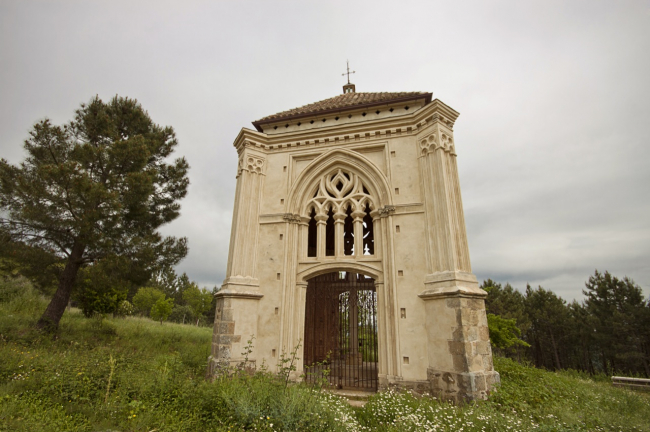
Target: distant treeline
608,332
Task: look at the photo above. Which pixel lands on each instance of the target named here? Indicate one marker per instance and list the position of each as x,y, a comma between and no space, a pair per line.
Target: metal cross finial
348,72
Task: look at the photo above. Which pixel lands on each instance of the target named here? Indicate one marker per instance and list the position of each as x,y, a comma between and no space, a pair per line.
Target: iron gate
341,330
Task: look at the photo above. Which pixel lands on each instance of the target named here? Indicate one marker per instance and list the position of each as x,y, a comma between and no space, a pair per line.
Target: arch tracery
339,213
306,184
339,196
340,190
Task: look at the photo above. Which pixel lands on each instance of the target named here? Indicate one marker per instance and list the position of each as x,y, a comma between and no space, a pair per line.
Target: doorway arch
341,337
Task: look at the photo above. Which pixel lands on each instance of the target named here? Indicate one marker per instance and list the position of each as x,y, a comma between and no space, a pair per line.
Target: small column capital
358,215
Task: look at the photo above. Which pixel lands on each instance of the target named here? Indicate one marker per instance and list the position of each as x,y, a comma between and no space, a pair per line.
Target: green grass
62,384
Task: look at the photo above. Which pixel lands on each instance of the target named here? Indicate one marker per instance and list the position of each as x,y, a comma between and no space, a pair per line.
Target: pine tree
98,187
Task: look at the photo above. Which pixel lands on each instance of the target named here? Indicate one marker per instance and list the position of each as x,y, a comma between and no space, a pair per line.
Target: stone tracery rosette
251,163
431,143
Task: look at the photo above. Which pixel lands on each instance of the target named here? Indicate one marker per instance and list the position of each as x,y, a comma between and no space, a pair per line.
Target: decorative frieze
292,218
386,211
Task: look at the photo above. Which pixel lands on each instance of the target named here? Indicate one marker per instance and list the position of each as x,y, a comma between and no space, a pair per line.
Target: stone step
356,398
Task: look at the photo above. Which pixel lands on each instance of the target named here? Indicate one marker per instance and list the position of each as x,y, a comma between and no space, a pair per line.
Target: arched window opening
312,235
340,224
329,234
368,233
348,233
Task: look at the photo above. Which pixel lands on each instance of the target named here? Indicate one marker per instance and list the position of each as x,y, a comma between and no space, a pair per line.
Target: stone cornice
435,112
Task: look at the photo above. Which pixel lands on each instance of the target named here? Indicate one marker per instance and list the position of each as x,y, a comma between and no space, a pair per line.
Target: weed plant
133,374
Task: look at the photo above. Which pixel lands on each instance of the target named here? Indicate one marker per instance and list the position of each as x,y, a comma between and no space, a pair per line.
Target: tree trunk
50,319
555,353
538,355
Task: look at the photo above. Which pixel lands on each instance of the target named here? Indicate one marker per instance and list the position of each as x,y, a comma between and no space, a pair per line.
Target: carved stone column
321,237
292,291
389,341
339,221
298,339
358,232
304,236
454,303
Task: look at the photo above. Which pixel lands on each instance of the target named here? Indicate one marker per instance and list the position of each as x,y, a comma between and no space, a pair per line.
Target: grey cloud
554,101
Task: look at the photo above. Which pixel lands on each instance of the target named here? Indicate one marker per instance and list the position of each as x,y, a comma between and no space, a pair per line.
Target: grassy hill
134,374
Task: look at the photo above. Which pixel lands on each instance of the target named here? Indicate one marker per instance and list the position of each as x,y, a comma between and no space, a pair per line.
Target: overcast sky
552,140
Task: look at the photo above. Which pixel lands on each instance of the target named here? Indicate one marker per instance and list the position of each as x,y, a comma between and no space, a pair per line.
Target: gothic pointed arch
346,172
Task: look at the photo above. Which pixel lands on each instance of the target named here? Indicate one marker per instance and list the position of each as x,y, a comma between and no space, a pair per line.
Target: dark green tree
40,266
100,186
549,319
620,318
580,340
166,280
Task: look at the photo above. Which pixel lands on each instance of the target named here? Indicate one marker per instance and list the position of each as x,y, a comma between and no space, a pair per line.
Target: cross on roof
348,72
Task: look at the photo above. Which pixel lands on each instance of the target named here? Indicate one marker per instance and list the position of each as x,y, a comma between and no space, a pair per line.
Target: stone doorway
341,331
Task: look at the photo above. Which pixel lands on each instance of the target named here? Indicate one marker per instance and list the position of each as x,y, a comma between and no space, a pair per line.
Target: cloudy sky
552,141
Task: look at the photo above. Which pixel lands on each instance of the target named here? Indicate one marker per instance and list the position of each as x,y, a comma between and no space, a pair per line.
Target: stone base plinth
461,387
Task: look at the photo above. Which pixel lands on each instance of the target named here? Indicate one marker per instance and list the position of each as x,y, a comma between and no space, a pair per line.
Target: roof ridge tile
342,101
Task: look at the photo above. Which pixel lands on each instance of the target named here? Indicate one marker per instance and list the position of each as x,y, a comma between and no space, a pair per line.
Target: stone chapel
348,243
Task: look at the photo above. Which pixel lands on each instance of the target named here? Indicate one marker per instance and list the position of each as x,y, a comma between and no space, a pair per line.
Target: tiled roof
344,101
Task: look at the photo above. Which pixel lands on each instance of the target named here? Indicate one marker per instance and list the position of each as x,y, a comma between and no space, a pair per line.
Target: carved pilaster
447,245
463,370
245,225
237,301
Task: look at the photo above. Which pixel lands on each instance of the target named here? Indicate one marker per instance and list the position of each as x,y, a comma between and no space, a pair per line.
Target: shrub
181,314
145,298
504,333
125,308
12,287
161,309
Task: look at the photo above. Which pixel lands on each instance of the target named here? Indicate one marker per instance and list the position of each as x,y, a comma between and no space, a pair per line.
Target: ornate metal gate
341,330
